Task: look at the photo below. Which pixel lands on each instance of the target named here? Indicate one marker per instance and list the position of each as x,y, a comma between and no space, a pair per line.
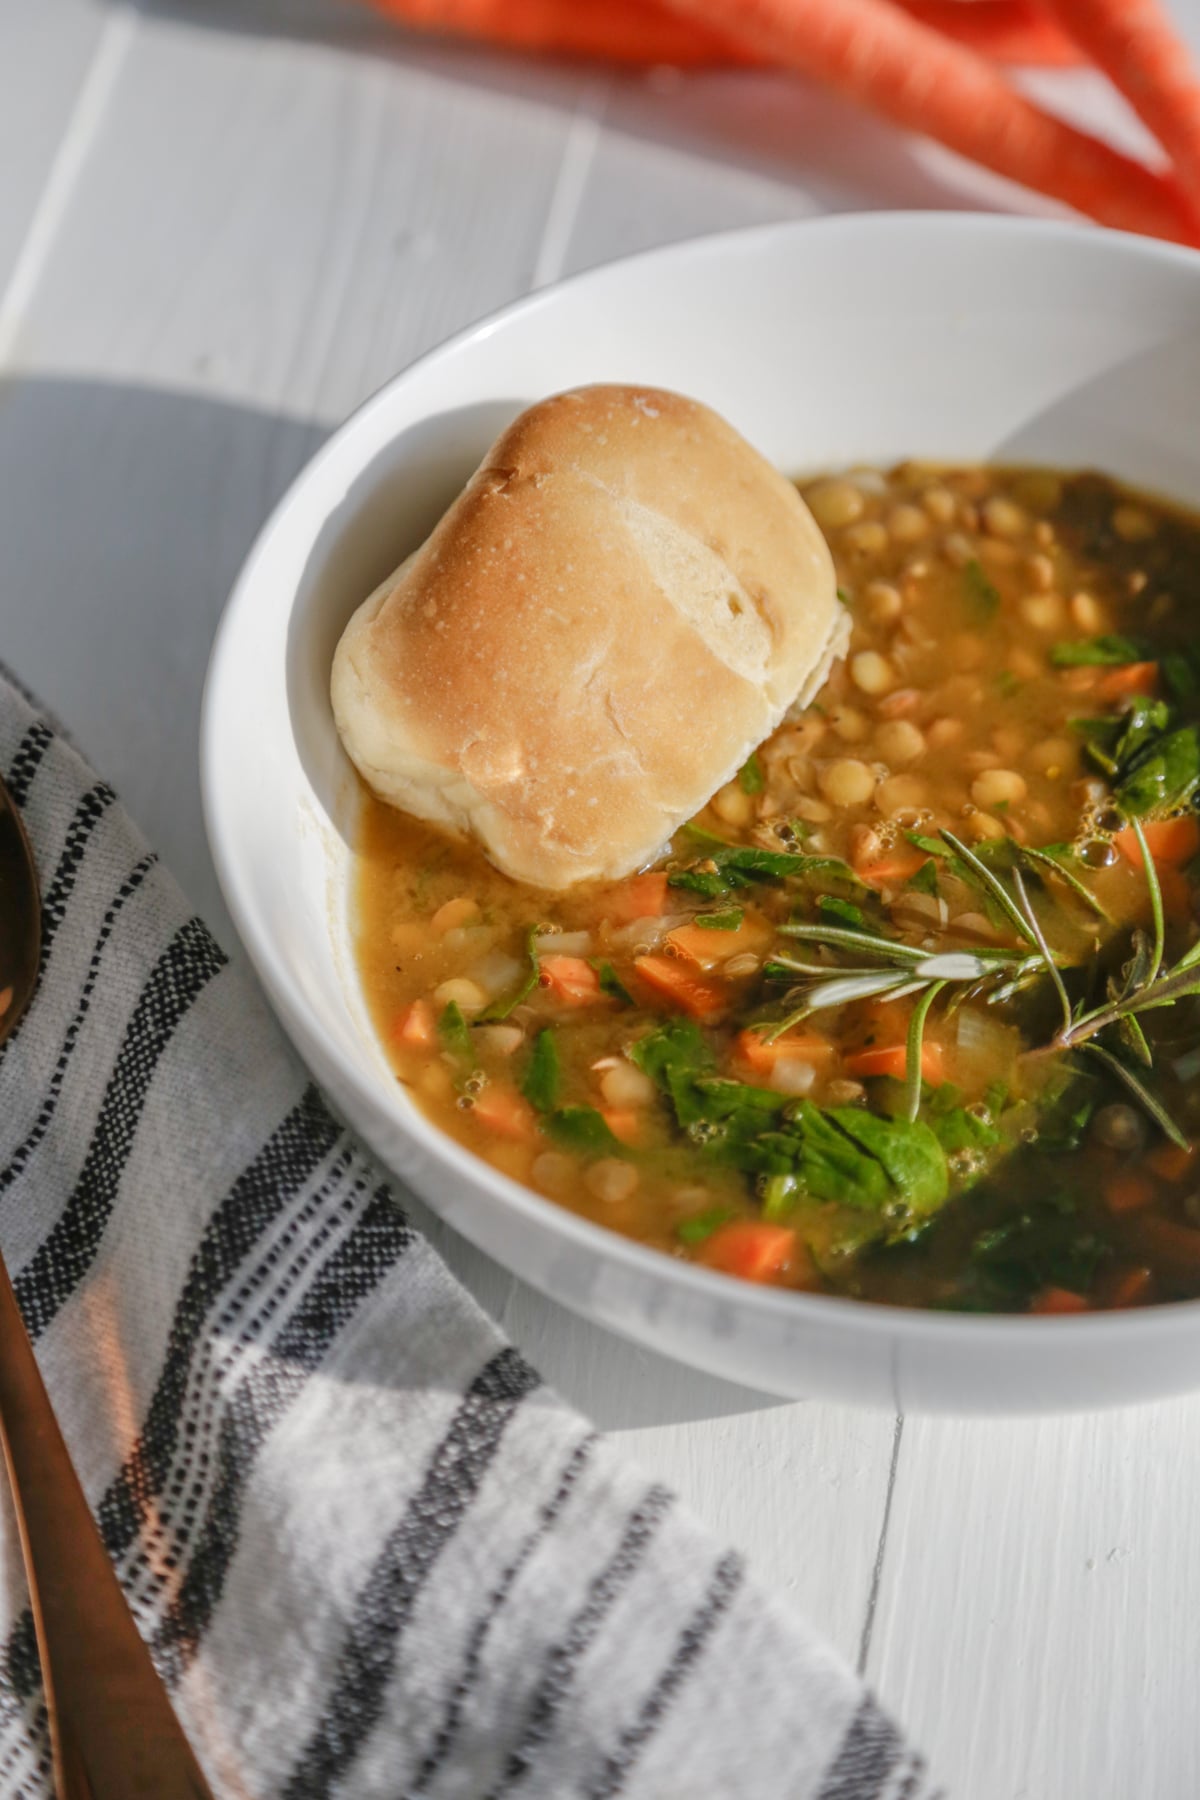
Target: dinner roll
624,600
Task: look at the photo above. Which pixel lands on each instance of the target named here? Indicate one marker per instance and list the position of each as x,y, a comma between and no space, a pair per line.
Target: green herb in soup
910,1011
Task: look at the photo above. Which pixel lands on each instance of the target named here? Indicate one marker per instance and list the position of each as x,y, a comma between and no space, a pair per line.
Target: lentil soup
908,1011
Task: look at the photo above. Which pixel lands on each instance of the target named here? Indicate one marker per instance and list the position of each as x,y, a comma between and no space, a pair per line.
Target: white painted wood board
234,221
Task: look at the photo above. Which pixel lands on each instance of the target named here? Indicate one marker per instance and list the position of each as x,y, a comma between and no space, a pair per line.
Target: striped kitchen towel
372,1554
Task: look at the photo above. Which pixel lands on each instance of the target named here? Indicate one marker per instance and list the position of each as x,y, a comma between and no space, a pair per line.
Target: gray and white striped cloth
372,1554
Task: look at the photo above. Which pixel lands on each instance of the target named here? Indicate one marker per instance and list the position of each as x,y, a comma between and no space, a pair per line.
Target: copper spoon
112,1730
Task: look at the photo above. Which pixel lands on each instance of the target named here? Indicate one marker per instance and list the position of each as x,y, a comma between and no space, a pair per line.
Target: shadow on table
125,514
825,155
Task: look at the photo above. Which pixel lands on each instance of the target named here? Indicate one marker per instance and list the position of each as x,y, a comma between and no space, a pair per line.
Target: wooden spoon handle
113,1732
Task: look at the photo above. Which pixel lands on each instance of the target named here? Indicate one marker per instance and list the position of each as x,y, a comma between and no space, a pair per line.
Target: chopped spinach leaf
728,920
455,1033
543,1078
925,879
980,593
1165,776
695,1230
582,1129
500,1009
1108,651
750,775
845,911
1043,1246
710,882
611,983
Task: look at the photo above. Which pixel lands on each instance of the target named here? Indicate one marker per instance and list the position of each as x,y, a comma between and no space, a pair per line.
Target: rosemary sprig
885,966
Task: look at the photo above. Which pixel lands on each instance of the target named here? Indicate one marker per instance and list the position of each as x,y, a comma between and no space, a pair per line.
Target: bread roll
622,603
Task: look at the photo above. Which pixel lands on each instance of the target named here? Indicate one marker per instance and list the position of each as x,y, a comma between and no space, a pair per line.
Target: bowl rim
781,1305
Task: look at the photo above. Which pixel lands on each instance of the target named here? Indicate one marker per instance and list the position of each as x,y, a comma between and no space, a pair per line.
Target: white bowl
846,339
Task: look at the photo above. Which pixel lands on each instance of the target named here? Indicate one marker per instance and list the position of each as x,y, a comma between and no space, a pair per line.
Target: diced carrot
706,948
751,1249
570,980
1058,1300
1131,1287
1170,1161
892,1059
1128,1190
760,1053
625,1122
645,897
502,1109
674,981
1176,1246
892,868
1127,678
417,1024
1171,842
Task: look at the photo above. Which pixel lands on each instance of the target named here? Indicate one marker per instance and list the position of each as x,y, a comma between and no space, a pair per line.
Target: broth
666,1055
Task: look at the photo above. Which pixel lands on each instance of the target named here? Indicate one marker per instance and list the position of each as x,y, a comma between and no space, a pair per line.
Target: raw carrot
501,1109
1058,1300
875,54
645,897
1129,1190
570,980
1171,842
750,1248
1005,30
1135,44
1126,678
892,1059
417,1024
674,981
625,31
761,1054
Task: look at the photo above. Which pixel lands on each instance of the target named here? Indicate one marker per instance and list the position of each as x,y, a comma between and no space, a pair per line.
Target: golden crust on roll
622,603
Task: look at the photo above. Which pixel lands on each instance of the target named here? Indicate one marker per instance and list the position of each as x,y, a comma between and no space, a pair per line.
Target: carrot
1134,43
1170,1162
892,1059
501,1109
877,55
625,1122
750,1248
625,31
674,981
1130,1287
570,980
706,948
1176,1247
1058,1300
761,1054
1128,1190
1002,29
417,1024
1126,678
1171,842
892,868
645,897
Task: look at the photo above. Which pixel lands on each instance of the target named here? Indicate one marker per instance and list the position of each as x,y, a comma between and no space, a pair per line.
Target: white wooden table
221,226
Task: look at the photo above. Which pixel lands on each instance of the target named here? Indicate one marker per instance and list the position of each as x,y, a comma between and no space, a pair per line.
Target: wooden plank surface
226,225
